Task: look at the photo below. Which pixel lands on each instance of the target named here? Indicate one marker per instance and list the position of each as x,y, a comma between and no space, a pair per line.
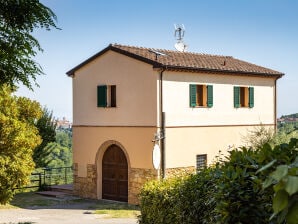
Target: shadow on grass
112,209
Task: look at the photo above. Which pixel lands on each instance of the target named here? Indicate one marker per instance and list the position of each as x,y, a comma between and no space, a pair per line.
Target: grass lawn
29,199
116,210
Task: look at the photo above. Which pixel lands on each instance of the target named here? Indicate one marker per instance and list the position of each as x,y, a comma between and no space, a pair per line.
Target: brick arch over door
99,159
114,174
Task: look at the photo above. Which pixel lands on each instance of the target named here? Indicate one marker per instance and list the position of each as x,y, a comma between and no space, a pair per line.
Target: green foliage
179,200
157,202
240,197
18,19
57,156
247,186
18,138
258,136
47,130
64,138
285,133
285,184
58,153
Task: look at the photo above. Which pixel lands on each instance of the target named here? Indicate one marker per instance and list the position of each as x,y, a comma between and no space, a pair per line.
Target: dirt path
57,211
76,214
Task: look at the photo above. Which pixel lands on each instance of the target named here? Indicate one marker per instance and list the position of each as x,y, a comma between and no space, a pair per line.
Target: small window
106,96
201,95
243,96
201,161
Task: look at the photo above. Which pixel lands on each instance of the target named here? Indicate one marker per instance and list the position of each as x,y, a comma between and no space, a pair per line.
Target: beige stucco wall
136,142
183,144
179,113
136,92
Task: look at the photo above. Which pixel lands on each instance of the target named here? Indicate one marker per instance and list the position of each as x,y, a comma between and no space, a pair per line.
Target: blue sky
264,32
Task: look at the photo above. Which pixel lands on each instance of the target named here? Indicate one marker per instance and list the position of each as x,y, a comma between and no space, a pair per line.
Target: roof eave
71,72
191,69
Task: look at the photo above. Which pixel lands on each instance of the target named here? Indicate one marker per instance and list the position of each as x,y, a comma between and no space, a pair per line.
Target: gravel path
70,214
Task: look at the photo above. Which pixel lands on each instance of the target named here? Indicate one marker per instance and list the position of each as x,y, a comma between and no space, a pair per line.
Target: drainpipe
162,125
275,106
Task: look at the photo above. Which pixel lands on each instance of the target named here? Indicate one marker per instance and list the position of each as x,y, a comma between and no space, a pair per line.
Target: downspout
162,124
275,106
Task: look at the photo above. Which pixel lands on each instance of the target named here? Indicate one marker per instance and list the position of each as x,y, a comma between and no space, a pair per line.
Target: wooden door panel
114,174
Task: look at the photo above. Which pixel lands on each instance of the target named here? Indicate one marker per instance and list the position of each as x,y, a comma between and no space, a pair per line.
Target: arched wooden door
114,174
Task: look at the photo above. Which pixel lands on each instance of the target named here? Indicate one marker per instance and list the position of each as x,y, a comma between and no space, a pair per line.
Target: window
201,161
106,96
200,95
243,96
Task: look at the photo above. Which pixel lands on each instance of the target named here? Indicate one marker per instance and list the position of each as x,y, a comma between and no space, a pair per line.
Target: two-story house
128,99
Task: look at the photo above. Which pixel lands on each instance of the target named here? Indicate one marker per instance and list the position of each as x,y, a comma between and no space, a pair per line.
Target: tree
18,138
63,137
47,130
59,156
18,19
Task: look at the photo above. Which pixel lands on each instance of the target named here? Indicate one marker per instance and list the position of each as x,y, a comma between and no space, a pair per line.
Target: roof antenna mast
179,34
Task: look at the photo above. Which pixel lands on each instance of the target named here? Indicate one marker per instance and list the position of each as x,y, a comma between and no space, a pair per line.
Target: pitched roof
185,61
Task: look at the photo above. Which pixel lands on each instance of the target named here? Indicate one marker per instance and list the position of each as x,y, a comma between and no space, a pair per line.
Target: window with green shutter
200,95
192,95
210,96
106,96
251,97
102,96
236,96
243,96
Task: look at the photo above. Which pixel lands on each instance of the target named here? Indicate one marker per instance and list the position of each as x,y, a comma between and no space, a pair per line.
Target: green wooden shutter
101,96
209,96
251,97
192,95
236,96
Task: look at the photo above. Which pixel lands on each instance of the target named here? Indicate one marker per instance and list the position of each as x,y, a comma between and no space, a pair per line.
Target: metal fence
48,177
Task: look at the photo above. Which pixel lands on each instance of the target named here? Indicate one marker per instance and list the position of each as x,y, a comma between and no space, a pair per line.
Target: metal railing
48,177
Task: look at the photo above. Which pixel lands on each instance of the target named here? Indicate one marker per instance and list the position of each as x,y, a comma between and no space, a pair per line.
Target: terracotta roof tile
175,60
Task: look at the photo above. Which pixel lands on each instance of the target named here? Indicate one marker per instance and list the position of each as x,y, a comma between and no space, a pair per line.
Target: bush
247,186
179,200
241,196
157,202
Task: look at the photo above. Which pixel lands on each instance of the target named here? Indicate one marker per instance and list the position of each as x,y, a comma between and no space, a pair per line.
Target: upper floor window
200,95
106,96
243,96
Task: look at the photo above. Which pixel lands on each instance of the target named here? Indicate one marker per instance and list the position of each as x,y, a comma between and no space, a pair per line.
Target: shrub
247,186
284,179
179,200
241,197
157,202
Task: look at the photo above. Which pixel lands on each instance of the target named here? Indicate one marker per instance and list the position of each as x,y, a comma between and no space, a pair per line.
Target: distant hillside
290,116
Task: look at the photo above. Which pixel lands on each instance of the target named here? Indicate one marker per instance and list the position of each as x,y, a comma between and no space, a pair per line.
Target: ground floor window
201,161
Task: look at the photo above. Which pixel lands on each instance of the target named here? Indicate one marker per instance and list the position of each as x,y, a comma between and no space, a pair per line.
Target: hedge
248,186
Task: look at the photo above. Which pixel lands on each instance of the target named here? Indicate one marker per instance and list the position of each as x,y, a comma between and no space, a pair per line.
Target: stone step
66,188
55,194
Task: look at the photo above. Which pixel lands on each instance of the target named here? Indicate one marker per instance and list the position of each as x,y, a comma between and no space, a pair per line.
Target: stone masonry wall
180,171
85,187
137,178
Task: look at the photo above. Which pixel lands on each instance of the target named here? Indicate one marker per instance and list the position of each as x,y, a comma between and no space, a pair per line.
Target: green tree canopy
18,19
18,138
59,156
47,130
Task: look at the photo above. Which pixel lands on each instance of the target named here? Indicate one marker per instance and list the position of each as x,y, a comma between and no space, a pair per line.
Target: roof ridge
186,61
171,51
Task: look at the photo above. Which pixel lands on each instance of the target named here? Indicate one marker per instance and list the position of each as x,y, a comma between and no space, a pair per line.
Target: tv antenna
179,34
